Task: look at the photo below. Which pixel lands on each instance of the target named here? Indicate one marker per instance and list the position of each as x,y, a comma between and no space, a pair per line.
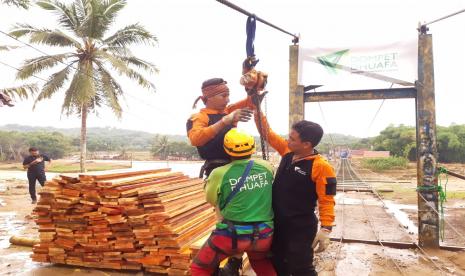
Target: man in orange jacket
206,129
303,178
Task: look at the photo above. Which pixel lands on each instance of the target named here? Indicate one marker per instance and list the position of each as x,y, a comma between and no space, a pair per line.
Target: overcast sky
203,39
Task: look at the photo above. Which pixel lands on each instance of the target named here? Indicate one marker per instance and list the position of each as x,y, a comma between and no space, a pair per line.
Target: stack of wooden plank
122,220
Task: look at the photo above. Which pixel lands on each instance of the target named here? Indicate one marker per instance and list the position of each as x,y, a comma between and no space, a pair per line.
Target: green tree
395,140
84,24
13,146
182,149
54,144
160,147
401,141
451,144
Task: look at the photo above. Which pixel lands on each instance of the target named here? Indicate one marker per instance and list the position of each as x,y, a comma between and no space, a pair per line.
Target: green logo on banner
330,61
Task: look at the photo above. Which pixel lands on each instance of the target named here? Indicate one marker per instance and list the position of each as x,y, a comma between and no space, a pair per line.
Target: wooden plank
105,175
143,221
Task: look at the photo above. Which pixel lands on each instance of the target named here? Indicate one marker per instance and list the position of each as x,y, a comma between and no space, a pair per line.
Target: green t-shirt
253,202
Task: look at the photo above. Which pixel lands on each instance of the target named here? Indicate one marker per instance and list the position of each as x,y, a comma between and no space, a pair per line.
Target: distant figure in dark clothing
35,165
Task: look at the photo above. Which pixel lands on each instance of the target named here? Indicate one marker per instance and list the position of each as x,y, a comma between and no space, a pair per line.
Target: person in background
35,165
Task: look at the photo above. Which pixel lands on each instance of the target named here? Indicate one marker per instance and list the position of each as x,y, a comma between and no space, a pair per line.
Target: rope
442,193
327,126
263,145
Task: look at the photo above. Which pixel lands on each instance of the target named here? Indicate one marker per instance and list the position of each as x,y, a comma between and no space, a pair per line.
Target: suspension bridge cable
326,123
377,112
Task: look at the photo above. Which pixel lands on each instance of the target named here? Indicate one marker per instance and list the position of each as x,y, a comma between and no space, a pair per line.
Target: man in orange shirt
207,128
303,179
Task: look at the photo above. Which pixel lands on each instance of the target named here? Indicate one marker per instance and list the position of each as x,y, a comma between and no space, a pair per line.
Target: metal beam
427,153
295,39
357,95
455,174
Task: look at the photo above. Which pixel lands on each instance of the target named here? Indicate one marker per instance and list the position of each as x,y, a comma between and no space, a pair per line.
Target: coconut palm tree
85,76
160,147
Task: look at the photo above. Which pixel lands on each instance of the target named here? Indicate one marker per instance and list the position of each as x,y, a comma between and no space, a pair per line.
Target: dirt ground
339,259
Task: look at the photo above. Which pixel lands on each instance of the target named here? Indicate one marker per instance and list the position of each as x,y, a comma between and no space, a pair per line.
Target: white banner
349,68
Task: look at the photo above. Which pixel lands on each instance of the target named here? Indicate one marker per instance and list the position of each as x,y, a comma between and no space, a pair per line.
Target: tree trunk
83,140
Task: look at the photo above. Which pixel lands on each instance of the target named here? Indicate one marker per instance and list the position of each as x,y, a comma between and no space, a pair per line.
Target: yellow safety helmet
238,143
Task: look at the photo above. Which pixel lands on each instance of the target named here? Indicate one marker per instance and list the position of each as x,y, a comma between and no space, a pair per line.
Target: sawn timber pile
125,220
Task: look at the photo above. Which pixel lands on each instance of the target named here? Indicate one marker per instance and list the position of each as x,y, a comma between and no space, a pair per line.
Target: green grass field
385,163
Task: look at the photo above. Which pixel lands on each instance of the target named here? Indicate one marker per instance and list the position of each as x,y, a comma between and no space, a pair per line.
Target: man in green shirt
241,194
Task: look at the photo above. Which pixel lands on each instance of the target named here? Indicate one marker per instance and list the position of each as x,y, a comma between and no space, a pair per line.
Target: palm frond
98,16
17,3
87,8
69,104
80,10
36,65
118,50
139,63
111,8
66,14
44,36
110,90
131,34
7,47
85,89
22,92
80,91
53,84
123,69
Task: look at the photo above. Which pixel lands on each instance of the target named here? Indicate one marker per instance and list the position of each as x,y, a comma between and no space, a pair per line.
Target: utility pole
296,92
427,153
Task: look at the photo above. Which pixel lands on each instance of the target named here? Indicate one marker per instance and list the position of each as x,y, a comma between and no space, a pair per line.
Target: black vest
294,192
214,148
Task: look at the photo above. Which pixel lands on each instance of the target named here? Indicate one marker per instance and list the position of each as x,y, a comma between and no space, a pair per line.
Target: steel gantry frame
422,92
427,154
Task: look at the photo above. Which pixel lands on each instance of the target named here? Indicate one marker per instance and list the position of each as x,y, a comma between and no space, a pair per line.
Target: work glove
321,240
239,115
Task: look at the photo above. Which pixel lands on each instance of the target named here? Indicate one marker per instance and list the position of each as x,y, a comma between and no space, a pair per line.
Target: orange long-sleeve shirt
322,174
201,133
